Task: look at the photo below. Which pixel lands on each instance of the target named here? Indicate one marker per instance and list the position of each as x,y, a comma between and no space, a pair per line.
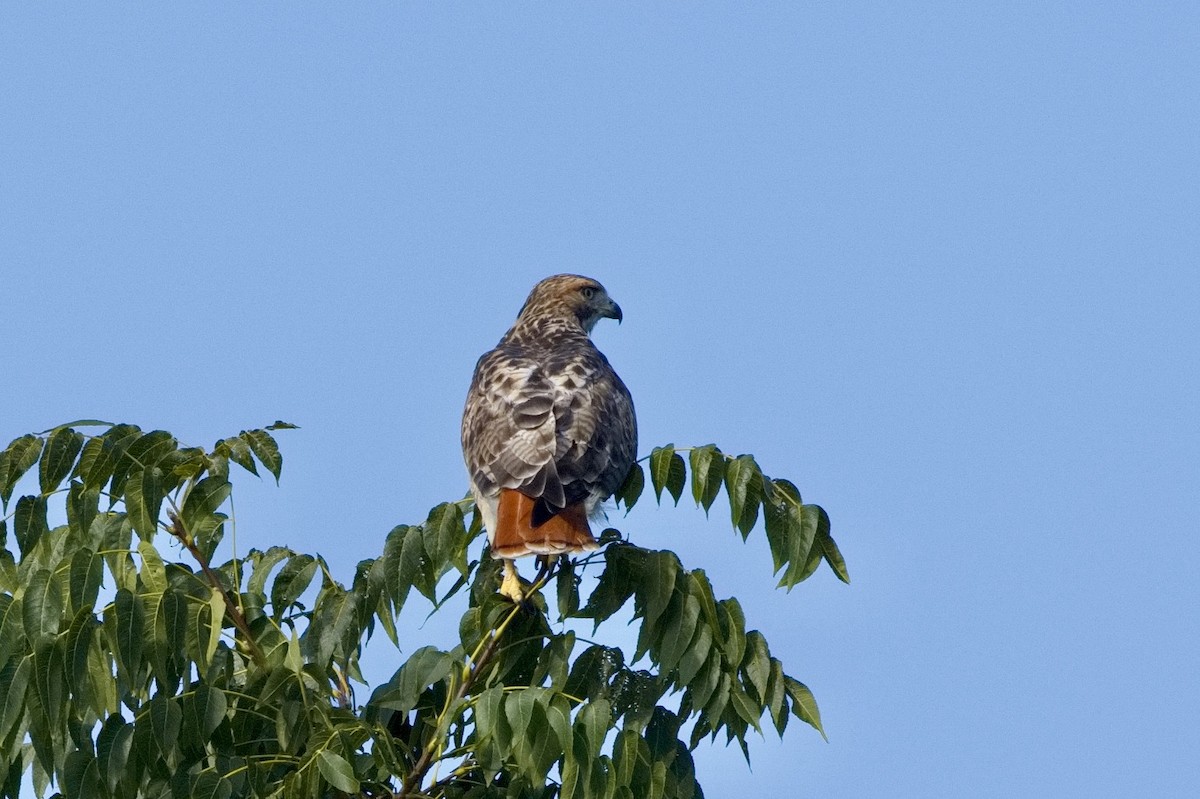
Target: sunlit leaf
337,771
804,705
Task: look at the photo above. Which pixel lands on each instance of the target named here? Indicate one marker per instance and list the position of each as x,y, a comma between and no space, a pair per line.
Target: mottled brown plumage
549,430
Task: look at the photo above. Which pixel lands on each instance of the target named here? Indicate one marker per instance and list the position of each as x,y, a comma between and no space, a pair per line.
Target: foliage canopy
127,672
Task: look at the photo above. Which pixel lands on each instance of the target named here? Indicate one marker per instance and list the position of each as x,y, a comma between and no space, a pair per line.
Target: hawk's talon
510,586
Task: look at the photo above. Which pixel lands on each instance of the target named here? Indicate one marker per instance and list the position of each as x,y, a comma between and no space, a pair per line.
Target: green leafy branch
209,679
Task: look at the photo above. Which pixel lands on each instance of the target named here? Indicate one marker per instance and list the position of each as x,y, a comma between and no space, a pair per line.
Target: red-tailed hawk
548,432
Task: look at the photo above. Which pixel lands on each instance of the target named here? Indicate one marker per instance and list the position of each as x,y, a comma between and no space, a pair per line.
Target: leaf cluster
133,663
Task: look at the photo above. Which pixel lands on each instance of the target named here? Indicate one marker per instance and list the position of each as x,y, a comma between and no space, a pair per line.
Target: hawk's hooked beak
613,311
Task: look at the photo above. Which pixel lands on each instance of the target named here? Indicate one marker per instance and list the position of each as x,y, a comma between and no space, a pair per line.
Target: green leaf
622,573
144,451
102,454
17,458
166,720
78,643
263,563
278,425
680,633
804,705
332,624
443,535
757,663
43,606
199,509
566,587
29,522
292,581
113,745
12,629
336,771
775,698
143,500
83,505
657,584
130,621
50,680
708,471
264,446
210,785
631,488
239,453
62,448
803,524
81,776
743,482
154,572
829,549
428,665
667,471
14,684
205,709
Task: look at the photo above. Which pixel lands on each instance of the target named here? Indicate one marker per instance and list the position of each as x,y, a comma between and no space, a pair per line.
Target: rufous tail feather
565,532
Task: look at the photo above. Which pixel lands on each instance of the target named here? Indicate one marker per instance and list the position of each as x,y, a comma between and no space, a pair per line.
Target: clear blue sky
937,263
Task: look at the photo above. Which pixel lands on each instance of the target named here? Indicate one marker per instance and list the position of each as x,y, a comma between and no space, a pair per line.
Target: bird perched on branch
548,432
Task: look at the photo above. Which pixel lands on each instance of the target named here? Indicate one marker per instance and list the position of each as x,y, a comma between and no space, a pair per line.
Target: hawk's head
570,297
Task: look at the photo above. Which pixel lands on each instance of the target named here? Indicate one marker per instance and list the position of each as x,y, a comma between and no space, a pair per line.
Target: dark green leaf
166,720
101,455
336,771
43,606
278,425
566,587
62,448
83,504
29,522
205,710
263,563
16,459
428,665
14,684
617,582
668,471
49,679
743,482
757,663
12,629
708,471
144,451
631,488
143,499
332,624
264,446
292,581
804,558
130,622
81,776
829,549
199,509
113,745
210,785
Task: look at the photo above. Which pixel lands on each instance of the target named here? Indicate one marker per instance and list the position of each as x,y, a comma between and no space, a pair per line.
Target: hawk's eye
588,292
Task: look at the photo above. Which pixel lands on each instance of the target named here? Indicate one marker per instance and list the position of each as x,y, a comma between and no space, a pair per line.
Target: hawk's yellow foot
510,586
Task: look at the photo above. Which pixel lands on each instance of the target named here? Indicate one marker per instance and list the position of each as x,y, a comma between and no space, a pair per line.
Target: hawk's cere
548,432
